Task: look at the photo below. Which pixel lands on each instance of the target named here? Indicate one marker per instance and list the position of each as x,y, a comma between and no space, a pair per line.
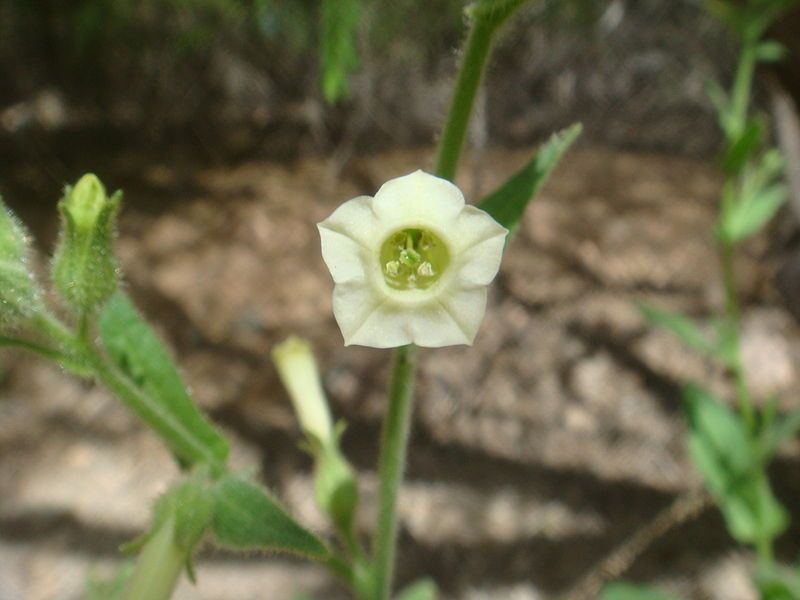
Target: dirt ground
534,453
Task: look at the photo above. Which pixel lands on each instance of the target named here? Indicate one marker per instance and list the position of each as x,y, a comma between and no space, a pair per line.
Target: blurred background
536,452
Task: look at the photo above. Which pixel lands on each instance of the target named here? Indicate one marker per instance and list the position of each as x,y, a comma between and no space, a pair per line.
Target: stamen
425,270
413,259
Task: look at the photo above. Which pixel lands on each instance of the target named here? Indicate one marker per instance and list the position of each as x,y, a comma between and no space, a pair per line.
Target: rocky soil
534,453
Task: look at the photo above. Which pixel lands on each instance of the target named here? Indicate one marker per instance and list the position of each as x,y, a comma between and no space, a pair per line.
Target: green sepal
731,466
424,589
630,591
335,486
84,266
507,203
134,347
246,517
20,296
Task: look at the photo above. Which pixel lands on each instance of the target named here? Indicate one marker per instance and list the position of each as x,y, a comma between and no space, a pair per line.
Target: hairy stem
396,429
397,424
49,353
476,53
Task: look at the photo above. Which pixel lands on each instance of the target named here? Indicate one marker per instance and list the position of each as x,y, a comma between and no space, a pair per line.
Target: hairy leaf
137,351
245,516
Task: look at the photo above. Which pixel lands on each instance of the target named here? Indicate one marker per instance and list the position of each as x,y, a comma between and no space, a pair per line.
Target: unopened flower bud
84,266
298,371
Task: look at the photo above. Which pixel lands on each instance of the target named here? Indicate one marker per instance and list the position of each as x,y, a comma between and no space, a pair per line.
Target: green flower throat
413,259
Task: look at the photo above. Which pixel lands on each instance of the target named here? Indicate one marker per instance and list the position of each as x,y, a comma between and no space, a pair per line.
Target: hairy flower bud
84,265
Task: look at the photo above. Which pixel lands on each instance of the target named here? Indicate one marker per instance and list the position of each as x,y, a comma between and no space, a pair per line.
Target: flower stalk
397,424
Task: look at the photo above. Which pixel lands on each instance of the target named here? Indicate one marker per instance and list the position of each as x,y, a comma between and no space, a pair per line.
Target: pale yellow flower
411,265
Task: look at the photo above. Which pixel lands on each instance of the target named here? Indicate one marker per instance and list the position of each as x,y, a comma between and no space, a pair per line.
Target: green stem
476,53
397,425
742,87
159,566
396,428
49,353
733,324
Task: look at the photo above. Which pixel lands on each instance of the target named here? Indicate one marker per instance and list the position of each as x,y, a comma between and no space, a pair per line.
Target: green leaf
424,589
136,350
719,432
754,200
630,591
749,216
741,149
722,105
730,464
681,326
507,204
247,517
779,431
339,55
770,51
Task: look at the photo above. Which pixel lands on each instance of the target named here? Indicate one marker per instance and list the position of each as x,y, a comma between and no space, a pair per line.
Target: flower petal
367,319
465,307
481,241
384,324
419,197
473,227
355,219
345,257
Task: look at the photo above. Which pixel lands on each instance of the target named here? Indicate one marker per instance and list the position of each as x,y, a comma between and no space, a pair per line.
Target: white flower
411,265
298,371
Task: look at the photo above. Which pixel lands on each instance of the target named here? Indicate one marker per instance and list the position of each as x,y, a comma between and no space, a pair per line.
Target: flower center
413,259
